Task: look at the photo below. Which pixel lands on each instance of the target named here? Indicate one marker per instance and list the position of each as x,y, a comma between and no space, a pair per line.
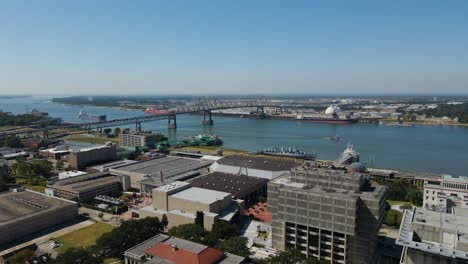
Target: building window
432,198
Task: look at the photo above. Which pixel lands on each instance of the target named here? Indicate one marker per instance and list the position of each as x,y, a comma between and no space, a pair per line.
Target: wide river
422,148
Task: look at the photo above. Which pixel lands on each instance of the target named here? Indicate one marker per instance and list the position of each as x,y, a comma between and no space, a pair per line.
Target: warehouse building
85,187
240,187
149,174
26,212
184,204
327,214
260,167
166,249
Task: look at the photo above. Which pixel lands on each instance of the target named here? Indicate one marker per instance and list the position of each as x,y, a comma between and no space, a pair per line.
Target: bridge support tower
171,121
138,127
206,122
261,111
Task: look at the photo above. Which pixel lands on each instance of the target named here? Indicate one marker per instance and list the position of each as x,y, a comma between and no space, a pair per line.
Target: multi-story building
136,139
443,196
86,187
328,214
184,204
164,249
79,159
434,237
25,212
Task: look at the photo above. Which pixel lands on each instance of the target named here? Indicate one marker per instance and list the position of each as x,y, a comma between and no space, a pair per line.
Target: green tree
117,131
235,245
13,142
291,256
77,256
127,235
107,131
224,230
192,232
59,165
22,256
393,218
415,196
164,221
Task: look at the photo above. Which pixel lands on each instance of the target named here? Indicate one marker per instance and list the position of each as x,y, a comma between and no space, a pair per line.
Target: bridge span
204,107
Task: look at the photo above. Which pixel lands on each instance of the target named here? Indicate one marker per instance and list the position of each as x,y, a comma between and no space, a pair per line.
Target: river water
422,148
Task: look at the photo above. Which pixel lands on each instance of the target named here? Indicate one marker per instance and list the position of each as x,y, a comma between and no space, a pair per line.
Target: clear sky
178,47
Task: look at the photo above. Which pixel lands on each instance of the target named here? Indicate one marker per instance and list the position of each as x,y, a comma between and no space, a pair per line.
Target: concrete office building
86,187
149,174
184,204
261,167
163,249
328,214
27,212
137,139
443,196
434,237
79,159
244,188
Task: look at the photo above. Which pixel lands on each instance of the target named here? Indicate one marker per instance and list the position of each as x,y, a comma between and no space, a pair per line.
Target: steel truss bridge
204,106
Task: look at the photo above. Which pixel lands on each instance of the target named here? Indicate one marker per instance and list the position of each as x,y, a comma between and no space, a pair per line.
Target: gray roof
201,195
139,250
18,205
423,230
237,185
259,163
168,165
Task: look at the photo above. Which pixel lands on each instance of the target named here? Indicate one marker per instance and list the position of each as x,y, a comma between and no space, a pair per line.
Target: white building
451,192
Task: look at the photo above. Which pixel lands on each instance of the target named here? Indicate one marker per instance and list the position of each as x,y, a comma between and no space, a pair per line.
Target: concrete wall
38,222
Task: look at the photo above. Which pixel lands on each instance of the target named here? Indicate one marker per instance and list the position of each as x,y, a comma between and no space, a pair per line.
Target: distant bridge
205,107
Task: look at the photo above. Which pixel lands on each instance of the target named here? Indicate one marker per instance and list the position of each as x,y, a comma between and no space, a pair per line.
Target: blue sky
177,47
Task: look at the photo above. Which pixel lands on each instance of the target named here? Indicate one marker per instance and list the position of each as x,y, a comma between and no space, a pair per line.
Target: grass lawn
113,261
83,237
390,202
91,138
36,188
6,127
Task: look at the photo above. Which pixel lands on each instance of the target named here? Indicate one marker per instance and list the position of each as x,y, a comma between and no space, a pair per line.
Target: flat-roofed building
328,214
433,237
149,174
79,159
240,187
184,204
137,139
261,167
163,249
443,196
85,187
27,212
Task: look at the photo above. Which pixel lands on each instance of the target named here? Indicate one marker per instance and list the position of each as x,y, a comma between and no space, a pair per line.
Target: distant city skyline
238,47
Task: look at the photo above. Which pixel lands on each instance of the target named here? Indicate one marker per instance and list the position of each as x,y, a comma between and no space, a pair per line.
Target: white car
55,244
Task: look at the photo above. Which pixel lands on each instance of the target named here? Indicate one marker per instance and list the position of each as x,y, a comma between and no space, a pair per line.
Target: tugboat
99,118
288,152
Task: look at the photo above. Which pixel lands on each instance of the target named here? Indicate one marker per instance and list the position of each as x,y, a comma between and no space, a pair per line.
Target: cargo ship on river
288,153
98,118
